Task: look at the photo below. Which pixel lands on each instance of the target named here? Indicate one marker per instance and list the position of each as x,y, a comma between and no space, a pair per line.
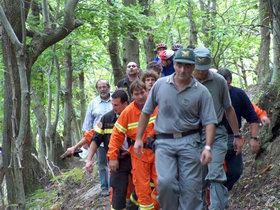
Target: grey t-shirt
218,88
180,111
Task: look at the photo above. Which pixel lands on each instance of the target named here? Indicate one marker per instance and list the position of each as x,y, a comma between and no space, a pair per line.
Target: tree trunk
9,87
113,49
54,143
276,40
82,97
149,44
18,60
192,26
76,129
68,97
262,68
209,8
131,43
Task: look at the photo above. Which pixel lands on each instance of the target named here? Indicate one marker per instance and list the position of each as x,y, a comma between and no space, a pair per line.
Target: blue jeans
102,168
234,168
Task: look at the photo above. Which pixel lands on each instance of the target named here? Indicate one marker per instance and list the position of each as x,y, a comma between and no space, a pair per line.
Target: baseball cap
185,55
202,58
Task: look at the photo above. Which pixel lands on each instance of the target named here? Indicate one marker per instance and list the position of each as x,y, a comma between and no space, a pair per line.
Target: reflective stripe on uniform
133,200
108,131
120,128
132,125
146,207
152,119
135,124
98,130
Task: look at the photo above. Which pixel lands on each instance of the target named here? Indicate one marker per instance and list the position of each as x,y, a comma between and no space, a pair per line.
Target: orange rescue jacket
260,112
88,135
127,125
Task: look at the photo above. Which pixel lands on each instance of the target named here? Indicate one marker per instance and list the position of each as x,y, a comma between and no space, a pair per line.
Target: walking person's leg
102,169
216,174
166,167
190,172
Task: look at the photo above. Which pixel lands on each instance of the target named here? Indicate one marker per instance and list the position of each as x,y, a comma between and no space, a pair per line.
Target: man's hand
71,150
205,157
265,120
88,166
113,165
138,147
238,144
255,146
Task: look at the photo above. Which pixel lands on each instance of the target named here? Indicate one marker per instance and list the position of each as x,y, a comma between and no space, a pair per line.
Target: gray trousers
179,173
216,175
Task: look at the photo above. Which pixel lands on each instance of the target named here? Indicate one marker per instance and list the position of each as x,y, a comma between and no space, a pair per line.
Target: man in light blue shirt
99,106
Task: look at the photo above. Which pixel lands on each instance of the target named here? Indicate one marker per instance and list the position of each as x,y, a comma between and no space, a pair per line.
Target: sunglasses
131,66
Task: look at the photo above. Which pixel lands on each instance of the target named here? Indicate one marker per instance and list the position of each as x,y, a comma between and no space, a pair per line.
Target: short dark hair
120,94
137,85
155,66
191,46
104,80
226,73
149,74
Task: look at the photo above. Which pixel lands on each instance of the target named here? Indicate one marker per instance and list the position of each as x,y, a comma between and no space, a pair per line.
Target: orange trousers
143,171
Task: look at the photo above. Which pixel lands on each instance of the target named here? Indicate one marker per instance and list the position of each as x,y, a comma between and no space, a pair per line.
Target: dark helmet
226,73
176,46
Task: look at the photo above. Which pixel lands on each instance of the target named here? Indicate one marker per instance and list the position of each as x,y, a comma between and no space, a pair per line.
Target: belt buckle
177,135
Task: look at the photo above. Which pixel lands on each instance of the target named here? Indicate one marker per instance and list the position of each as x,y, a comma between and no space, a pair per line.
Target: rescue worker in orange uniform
143,166
262,115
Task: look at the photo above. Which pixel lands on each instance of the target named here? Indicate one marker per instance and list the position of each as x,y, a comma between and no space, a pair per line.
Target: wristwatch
207,147
255,137
237,136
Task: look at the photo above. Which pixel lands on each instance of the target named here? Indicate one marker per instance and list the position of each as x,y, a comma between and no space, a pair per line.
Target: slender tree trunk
54,145
263,69
149,44
75,128
48,131
276,41
9,114
113,48
82,96
131,43
208,23
68,97
192,26
46,16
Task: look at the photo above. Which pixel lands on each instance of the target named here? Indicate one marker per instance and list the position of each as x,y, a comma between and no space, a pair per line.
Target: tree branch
42,42
6,24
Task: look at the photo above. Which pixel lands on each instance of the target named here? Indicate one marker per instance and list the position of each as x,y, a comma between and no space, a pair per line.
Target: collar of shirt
100,100
209,77
170,80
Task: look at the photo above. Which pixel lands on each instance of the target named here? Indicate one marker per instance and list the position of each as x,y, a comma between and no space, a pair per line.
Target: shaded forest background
53,51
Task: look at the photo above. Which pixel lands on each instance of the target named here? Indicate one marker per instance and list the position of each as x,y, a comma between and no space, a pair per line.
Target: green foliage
41,199
75,175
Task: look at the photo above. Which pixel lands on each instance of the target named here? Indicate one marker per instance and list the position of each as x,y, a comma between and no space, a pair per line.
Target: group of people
167,138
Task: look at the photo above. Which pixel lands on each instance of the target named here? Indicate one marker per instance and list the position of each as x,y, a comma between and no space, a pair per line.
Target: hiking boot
104,193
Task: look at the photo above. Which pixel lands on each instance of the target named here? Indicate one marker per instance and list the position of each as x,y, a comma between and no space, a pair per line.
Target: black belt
176,135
